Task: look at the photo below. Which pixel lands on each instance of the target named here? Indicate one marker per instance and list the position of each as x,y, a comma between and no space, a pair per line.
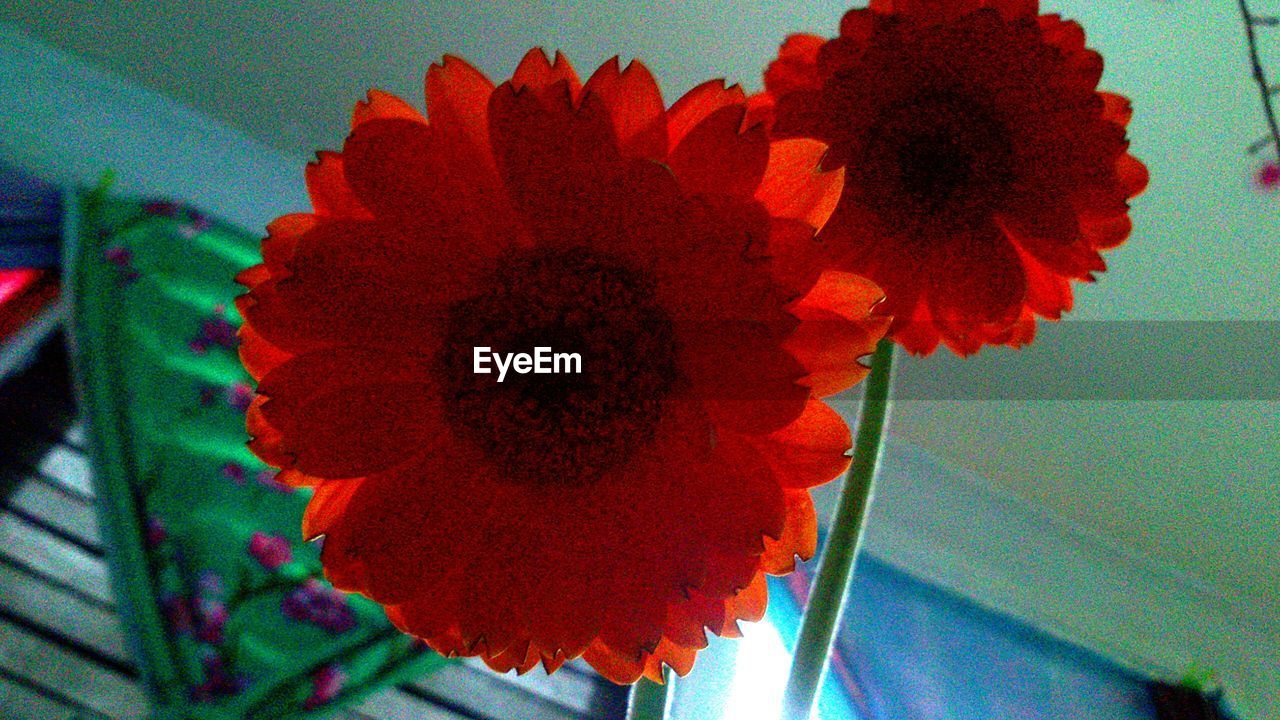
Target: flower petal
796,67
696,105
749,604
283,235
353,282
977,279
615,666
635,104
264,439
327,506
1133,175
811,450
382,105
1048,293
458,103
348,412
550,157
328,188
750,385
679,659
253,276
799,536
258,355
796,256
715,158
542,76
794,186
412,528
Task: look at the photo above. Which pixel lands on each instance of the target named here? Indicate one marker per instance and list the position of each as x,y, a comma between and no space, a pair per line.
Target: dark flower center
933,168
560,426
938,161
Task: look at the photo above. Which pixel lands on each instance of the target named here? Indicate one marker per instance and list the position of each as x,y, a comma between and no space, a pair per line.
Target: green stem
650,700
835,568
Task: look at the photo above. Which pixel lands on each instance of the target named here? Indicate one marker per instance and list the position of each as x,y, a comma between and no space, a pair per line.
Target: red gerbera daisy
983,168
612,514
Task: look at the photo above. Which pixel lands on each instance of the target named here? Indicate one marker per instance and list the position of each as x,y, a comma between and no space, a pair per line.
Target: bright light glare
760,674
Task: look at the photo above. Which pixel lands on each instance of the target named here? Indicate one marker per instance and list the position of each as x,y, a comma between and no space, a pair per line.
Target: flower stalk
835,567
650,700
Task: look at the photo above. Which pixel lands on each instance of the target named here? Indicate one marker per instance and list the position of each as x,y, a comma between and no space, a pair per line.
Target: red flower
1267,177
612,514
983,168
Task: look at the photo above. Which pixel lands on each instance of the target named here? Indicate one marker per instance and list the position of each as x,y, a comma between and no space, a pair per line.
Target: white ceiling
1192,485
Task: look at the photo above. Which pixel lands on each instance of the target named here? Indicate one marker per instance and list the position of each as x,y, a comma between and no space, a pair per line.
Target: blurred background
1086,528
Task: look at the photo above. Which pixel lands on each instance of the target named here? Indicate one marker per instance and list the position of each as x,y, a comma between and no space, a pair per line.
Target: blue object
30,221
913,651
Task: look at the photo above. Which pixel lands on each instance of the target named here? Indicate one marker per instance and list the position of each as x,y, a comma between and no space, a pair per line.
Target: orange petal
796,256
799,535
1015,9
415,530
829,347
1116,108
257,355
297,479
1067,35
809,451
1133,175
458,103
684,629
698,104
1048,293
976,279
537,73
253,276
384,106
283,235
751,386
706,611
347,412
915,331
1107,232
552,662
265,439
551,158
795,187
327,504
837,327
857,25
761,110
635,104
1017,335
714,158
796,65
927,11
618,667
328,188
679,659
750,603
354,282
522,658
845,294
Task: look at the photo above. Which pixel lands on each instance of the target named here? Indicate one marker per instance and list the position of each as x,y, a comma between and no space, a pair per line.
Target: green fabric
198,531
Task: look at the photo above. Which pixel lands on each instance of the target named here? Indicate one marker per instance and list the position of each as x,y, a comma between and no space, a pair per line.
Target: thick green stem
835,568
650,700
